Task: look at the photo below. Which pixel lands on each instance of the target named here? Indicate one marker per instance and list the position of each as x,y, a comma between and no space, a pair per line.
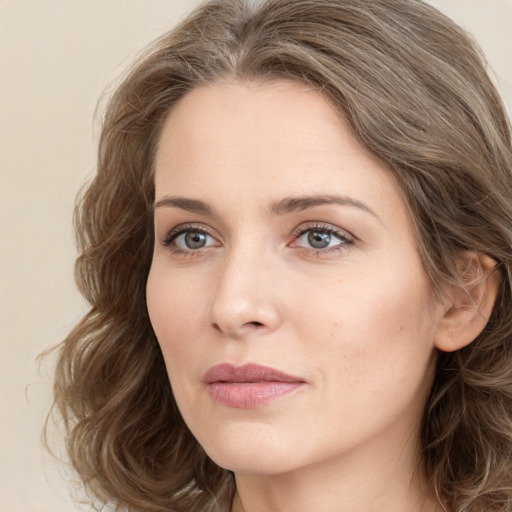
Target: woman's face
286,292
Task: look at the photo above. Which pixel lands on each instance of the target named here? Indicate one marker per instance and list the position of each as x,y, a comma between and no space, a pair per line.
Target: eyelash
181,230
345,239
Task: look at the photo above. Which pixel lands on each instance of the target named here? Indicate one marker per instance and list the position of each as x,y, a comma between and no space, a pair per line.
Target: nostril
236,331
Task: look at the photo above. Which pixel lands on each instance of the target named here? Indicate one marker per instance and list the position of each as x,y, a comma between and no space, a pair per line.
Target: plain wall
56,59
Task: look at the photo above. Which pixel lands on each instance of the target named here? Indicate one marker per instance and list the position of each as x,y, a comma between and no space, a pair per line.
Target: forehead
267,139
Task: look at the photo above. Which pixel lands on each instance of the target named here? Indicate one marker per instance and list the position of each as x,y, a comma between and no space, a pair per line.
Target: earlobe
469,305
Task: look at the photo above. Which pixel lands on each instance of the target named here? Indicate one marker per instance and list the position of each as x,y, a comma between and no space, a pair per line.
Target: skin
356,321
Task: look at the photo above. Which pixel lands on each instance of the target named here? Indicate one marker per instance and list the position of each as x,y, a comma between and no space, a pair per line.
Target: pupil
195,240
319,240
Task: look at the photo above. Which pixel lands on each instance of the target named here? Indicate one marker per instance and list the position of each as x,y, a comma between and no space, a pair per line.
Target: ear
469,304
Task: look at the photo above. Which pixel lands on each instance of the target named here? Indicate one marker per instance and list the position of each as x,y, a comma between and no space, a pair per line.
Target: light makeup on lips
249,385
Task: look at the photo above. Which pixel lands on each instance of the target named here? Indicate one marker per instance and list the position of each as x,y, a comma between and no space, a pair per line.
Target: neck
361,482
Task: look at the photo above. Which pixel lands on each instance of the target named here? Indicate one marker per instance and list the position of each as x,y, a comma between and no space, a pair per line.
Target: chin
253,462
253,451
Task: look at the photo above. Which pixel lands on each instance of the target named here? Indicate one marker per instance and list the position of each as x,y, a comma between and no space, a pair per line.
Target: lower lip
246,395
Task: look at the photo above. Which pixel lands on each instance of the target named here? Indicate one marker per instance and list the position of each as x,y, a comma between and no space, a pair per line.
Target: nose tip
251,318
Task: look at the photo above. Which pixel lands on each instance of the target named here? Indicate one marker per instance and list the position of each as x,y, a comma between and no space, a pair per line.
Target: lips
249,385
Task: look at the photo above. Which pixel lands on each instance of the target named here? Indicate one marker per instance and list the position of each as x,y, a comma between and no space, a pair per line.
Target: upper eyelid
178,230
327,226
190,226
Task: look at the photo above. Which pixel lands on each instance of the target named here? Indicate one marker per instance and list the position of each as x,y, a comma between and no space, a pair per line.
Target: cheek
176,313
374,357
378,328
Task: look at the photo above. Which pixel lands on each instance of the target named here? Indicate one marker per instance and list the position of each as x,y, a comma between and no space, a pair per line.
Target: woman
297,251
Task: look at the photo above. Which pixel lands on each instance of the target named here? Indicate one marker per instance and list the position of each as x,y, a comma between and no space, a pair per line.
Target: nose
245,302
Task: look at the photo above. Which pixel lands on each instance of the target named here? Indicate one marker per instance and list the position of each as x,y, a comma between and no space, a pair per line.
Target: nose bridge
244,299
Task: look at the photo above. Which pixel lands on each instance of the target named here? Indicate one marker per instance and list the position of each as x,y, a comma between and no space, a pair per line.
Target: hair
414,89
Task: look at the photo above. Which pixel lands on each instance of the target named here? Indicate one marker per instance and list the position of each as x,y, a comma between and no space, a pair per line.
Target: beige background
56,59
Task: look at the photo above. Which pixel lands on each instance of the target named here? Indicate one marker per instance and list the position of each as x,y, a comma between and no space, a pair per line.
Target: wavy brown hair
414,88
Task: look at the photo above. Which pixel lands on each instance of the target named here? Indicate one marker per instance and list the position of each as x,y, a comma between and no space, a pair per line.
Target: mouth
249,385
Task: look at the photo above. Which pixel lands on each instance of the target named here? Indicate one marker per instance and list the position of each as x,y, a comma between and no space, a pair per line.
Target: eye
188,239
321,238
192,240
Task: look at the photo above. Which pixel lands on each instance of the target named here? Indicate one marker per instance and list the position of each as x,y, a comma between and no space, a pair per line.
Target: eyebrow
183,203
294,204
281,207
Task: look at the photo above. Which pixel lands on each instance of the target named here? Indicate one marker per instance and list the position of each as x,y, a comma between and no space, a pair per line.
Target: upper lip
227,372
